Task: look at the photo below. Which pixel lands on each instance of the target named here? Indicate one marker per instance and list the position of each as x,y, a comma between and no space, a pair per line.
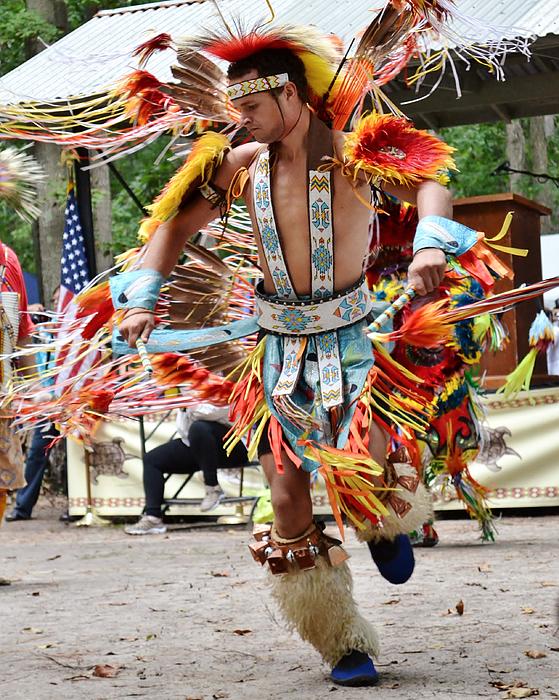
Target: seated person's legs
173,457
206,440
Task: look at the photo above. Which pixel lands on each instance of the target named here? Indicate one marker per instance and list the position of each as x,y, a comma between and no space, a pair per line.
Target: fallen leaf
484,568
149,637
501,685
534,654
522,692
219,574
220,694
56,556
460,607
242,632
394,601
528,611
548,584
105,671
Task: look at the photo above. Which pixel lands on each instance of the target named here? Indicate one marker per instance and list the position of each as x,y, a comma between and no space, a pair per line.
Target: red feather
157,43
235,48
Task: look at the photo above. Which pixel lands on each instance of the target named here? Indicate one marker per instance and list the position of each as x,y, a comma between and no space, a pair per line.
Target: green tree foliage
480,148
17,26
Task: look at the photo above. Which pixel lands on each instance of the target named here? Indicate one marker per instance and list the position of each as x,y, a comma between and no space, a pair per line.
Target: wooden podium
487,213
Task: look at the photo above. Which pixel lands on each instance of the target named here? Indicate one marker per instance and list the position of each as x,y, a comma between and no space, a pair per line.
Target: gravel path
186,616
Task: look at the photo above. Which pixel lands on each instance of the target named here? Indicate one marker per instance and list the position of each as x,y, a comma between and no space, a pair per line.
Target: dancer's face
266,116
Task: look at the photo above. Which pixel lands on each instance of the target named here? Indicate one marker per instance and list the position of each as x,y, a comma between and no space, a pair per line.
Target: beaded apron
306,374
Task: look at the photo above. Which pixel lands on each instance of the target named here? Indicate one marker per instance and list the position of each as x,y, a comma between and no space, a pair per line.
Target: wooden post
487,214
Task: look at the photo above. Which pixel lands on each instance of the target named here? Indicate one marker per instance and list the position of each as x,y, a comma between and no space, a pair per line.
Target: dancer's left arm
427,269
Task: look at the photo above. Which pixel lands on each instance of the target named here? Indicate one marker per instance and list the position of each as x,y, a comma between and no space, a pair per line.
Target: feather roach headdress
422,36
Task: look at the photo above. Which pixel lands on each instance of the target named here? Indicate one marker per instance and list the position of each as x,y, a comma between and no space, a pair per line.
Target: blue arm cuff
137,288
450,236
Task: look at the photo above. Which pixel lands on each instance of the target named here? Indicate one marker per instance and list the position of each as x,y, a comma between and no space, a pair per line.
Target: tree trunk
516,152
50,225
541,130
102,216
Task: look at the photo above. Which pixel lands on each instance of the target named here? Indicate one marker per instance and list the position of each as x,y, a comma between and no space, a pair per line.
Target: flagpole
85,207
91,517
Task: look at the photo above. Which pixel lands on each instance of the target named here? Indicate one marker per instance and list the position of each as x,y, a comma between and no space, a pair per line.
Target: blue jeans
36,461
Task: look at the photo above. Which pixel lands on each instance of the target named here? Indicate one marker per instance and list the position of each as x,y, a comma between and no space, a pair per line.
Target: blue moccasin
394,558
354,669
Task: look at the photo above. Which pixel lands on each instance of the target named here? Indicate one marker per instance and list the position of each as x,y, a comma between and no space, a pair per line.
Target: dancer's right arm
166,244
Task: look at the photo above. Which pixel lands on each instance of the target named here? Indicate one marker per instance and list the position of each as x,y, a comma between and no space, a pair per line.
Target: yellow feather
319,72
206,156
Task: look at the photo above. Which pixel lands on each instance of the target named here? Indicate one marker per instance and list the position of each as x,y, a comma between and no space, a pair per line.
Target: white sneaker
212,499
147,525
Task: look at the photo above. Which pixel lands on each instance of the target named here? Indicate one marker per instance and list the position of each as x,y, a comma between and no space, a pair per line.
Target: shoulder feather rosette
387,148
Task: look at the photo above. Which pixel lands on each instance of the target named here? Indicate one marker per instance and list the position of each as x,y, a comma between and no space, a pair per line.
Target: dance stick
390,312
143,353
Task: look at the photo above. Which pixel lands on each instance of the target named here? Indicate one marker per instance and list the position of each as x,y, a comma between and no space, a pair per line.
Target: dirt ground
187,616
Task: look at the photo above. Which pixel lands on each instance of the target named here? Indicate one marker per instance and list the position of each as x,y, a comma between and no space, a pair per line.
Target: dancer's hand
137,323
426,270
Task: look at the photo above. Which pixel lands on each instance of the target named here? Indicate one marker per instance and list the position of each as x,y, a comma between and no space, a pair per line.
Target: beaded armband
449,236
136,289
214,195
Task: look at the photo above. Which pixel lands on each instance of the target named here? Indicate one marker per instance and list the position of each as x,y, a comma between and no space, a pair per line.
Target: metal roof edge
147,6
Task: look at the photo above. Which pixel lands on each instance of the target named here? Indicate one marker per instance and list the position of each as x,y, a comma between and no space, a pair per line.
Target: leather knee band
285,556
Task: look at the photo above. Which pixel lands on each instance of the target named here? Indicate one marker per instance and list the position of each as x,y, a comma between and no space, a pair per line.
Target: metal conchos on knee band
285,556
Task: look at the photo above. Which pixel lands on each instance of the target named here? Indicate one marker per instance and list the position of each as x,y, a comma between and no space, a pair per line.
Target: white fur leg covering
393,524
319,605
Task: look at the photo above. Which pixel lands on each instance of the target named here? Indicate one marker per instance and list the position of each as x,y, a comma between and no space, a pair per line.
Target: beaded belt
306,317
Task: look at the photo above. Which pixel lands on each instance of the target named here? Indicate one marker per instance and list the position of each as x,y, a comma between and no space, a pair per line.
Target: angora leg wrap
319,605
419,508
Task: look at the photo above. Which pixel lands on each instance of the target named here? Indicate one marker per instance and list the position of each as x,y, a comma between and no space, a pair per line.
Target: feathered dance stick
144,357
390,312
431,324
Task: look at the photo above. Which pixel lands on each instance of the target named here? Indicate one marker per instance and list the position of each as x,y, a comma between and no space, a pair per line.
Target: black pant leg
173,457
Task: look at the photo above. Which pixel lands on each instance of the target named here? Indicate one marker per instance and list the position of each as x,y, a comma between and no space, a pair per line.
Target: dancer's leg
315,591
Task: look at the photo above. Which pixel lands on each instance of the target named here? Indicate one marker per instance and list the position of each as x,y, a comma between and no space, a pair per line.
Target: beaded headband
247,87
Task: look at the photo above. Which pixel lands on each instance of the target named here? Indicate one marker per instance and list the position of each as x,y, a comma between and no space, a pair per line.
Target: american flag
72,358
74,268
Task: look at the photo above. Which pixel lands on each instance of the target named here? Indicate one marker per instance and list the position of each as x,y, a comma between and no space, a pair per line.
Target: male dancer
282,123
